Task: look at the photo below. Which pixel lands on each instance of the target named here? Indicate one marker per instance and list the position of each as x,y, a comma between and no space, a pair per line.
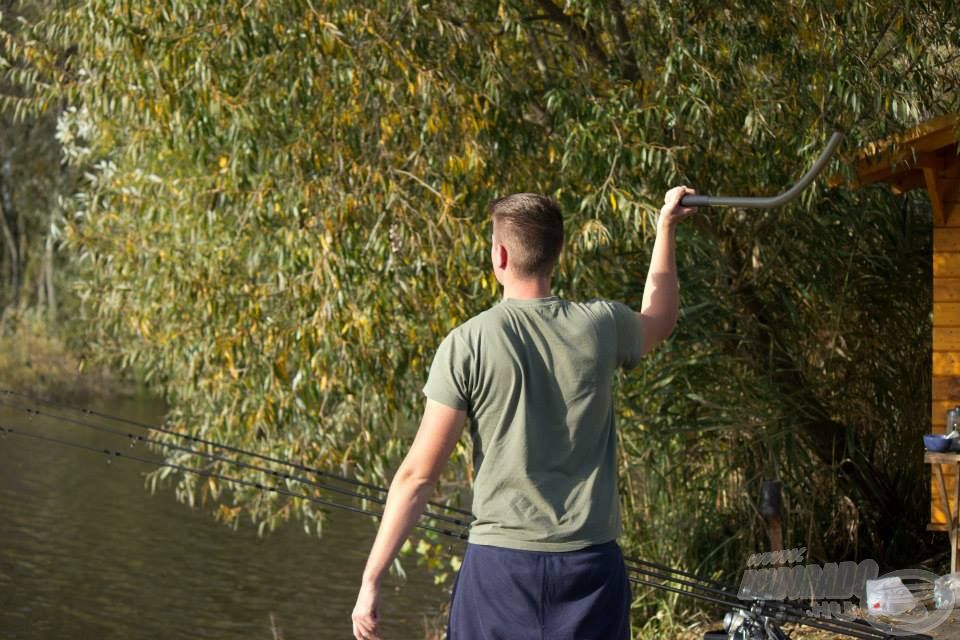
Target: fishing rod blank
683,592
643,567
226,447
723,586
238,463
143,425
211,456
773,201
112,453
58,405
718,593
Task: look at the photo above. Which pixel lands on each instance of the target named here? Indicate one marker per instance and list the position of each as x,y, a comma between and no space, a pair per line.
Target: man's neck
527,289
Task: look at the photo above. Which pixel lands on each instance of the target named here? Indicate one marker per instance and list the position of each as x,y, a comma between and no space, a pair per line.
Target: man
534,373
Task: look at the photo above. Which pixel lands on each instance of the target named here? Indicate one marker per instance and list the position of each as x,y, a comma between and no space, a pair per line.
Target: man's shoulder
471,326
601,309
498,316
474,326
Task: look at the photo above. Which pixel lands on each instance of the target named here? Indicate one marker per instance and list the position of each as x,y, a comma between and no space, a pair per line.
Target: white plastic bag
888,597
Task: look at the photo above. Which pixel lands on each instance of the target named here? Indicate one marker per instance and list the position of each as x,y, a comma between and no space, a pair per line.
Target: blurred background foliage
274,211
40,349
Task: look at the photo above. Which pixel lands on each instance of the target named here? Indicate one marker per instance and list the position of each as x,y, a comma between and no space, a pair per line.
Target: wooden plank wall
946,329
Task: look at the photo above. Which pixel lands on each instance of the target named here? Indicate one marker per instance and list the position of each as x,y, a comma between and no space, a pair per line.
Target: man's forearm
406,500
661,293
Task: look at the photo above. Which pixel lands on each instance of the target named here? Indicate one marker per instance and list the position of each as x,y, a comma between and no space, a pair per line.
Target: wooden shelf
944,457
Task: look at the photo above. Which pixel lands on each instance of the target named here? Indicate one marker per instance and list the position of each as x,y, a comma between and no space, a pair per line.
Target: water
87,552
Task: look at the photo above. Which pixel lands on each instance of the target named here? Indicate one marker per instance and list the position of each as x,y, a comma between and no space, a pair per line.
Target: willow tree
284,214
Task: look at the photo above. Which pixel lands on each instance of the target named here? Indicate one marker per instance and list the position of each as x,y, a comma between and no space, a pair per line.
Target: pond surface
87,552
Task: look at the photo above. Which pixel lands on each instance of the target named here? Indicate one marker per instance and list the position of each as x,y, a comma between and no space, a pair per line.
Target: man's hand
661,293
366,613
672,211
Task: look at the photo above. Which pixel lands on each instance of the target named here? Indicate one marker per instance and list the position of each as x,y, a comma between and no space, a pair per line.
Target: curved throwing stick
773,201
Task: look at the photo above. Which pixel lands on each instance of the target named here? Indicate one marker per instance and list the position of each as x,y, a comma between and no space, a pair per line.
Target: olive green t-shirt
535,378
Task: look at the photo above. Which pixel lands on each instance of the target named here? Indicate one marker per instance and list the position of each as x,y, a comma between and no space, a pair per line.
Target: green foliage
283,214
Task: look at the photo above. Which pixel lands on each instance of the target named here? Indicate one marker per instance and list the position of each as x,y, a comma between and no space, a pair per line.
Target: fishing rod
262,486
773,201
746,612
146,426
142,425
238,463
743,619
282,476
111,454
239,451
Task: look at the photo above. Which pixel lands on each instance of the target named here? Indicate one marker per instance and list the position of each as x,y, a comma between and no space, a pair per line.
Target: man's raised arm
661,295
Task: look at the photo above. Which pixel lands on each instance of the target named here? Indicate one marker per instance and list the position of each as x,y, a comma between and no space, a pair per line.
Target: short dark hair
531,227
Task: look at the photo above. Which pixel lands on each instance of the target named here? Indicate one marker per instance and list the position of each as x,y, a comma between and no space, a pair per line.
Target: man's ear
501,256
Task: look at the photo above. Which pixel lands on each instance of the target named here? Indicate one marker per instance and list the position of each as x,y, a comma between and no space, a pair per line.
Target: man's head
527,235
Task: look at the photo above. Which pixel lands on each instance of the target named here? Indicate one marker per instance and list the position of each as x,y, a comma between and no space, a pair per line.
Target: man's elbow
415,477
668,328
656,329
657,332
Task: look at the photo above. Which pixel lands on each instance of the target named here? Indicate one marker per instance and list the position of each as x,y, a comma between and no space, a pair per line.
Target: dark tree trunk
10,228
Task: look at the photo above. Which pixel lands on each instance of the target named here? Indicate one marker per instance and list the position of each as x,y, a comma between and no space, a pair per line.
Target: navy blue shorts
507,594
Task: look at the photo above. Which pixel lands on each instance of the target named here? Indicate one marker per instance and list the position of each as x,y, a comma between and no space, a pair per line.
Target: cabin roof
923,156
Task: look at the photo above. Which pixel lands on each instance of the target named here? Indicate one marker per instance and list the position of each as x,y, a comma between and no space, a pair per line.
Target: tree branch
8,217
583,35
626,53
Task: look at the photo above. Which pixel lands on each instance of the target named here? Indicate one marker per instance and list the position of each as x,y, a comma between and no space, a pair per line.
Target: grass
36,359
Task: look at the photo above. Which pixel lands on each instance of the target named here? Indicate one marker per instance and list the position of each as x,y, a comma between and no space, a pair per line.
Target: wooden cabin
925,157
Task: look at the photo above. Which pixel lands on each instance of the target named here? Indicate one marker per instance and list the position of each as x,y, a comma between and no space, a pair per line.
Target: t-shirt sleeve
629,335
448,381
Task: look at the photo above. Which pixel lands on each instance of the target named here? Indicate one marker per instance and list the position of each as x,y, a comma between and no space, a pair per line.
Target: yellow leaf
613,201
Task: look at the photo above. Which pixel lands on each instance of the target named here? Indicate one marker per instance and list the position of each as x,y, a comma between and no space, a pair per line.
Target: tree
284,214
32,176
